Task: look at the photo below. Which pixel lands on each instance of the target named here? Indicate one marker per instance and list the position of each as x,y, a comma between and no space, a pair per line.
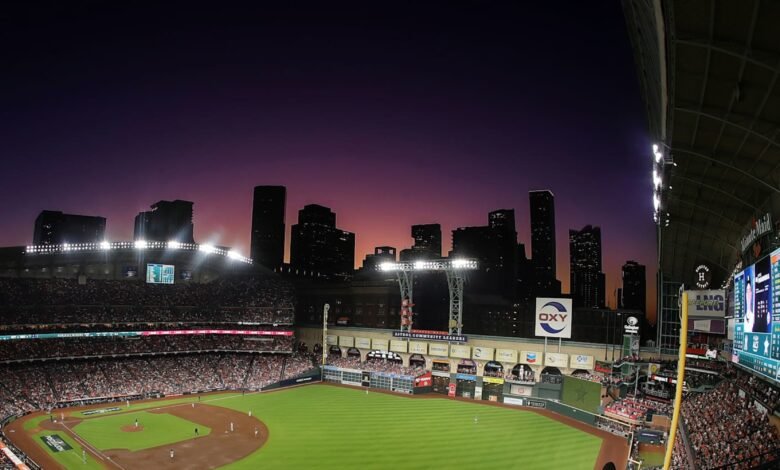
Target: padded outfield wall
582,394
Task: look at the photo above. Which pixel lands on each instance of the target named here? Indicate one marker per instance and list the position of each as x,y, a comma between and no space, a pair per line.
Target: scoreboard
159,273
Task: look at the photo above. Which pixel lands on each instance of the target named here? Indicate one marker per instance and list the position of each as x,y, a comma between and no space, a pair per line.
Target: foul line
90,447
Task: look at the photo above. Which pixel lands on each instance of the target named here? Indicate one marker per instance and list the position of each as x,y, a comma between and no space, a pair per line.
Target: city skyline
461,114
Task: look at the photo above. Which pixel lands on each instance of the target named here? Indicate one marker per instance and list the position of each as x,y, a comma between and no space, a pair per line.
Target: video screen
757,316
159,273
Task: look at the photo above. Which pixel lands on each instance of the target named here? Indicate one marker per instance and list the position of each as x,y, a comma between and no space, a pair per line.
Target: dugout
441,376
465,385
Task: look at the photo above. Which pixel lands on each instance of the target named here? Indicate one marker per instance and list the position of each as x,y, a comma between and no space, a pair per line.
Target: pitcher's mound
132,428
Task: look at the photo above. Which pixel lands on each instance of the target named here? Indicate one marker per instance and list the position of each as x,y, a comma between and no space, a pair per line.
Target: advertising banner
332,340
707,303
435,336
451,390
580,361
514,401
425,380
556,360
468,377
346,341
506,355
379,344
460,351
438,349
363,343
536,403
55,443
631,325
418,347
604,367
522,390
397,345
531,357
482,353
553,317
492,380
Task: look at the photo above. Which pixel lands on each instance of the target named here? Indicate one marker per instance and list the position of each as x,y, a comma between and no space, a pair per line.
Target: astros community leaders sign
553,317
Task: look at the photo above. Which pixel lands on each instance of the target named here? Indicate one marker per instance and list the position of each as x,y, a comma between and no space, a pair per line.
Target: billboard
418,347
363,343
463,352
332,340
553,317
531,357
425,380
492,380
397,345
379,344
506,355
159,273
438,349
482,353
707,303
556,360
580,361
346,341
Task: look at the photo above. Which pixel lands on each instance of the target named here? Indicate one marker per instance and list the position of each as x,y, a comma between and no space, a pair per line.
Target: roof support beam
716,161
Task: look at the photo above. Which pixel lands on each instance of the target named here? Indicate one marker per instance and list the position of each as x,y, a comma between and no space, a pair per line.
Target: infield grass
105,432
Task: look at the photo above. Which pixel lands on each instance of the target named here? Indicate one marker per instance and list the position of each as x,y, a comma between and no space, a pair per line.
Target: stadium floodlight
174,245
387,266
419,265
233,254
66,247
657,153
207,248
140,244
105,245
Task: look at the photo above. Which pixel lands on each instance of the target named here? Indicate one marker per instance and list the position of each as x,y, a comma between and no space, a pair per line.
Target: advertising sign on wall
482,353
553,317
531,357
506,355
363,343
418,347
463,352
492,380
397,345
346,341
425,380
438,349
332,340
556,360
580,361
707,303
379,344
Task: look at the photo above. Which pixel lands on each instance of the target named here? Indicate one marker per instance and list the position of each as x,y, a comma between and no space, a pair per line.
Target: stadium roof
708,71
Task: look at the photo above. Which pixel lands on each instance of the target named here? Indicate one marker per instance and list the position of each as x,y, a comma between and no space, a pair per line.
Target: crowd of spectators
108,346
260,300
637,409
521,375
726,429
617,428
375,365
43,385
767,394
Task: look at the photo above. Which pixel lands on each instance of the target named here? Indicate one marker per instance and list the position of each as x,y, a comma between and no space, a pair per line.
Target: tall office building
318,247
543,241
382,254
268,206
56,228
587,282
427,243
634,286
168,220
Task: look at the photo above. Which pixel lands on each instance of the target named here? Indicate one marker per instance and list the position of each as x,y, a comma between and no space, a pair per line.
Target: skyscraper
168,220
543,241
587,280
56,228
427,237
318,247
634,286
268,206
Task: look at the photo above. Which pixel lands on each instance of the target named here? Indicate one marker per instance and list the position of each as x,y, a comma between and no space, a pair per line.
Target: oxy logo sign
553,317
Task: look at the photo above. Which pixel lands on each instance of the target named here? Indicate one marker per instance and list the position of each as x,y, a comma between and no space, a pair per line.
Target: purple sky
391,116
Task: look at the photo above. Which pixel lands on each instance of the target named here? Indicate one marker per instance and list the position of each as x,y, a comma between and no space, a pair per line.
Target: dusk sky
392,114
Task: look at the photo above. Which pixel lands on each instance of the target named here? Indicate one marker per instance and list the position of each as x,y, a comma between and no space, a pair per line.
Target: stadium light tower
455,270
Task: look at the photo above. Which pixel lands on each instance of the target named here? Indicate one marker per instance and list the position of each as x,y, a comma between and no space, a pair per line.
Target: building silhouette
543,242
382,254
56,228
168,220
427,243
587,282
267,240
634,286
318,248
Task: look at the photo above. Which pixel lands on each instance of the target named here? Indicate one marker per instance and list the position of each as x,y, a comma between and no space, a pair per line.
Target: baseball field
314,426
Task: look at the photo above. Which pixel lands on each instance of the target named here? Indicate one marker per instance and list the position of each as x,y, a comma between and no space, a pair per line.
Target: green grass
69,458
134,406
105,432
327,427
651,458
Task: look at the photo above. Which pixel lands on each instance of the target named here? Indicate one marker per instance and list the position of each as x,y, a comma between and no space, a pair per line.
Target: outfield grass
320,426
105,432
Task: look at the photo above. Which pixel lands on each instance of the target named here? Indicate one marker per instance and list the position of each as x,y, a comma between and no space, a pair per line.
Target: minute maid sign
758,228
553,318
